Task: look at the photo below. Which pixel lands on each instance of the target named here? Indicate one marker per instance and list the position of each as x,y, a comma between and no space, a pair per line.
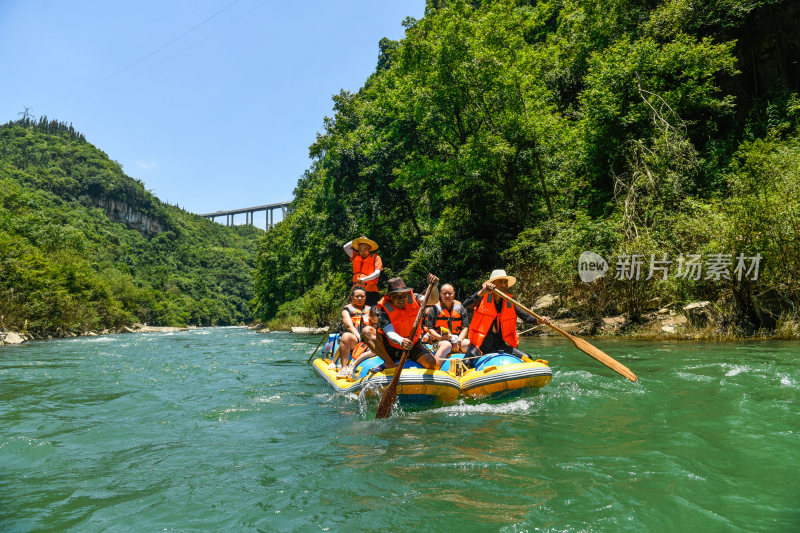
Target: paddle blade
602,357
387,401
390,393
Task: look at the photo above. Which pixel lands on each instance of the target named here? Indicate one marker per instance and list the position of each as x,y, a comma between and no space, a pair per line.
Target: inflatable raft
494,375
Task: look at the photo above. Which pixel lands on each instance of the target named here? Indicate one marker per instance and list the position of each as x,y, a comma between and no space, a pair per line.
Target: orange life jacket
402,319
360,317
365,266
485,316
452,320
360,348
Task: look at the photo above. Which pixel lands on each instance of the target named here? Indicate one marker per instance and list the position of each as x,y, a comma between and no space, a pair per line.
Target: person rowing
397,312
494,320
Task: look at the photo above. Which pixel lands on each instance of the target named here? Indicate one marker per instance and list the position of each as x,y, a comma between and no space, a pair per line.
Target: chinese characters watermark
714,267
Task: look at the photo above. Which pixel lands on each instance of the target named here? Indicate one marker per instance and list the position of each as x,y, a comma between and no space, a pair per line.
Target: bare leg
442,351
375,343
347,343
428,361
363,357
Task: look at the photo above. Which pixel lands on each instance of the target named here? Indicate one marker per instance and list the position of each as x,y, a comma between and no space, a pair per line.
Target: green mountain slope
85,247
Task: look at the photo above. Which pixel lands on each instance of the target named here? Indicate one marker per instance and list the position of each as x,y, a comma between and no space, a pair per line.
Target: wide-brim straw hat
363,240
501,274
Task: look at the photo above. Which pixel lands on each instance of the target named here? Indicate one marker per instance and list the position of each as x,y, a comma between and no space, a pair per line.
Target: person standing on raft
397,312
494,321
367,266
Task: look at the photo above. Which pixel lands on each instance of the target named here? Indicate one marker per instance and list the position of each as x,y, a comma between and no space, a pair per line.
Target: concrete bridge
249,213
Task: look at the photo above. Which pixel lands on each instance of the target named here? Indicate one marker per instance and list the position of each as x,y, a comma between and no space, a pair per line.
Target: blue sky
211,103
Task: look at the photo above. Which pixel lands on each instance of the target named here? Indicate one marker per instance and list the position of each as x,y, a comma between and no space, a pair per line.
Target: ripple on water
219,430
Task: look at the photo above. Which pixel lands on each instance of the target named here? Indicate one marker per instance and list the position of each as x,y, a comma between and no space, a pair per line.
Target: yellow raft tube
493,375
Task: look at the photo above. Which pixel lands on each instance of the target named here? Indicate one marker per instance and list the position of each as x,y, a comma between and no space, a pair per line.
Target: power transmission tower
27,113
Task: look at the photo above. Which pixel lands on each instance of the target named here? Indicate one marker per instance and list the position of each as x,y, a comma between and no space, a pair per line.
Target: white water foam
269,399
736,370
521,405
99,339
694,377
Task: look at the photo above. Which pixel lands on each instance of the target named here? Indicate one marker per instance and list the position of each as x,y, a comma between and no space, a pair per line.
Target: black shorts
417,351
372,298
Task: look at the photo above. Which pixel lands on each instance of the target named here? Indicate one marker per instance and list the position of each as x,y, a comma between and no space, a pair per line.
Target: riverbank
664,324
13,337
669,326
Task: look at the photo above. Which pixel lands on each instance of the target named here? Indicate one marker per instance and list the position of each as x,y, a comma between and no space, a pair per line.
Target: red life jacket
358,316
452,320
484,317
402,319
365,266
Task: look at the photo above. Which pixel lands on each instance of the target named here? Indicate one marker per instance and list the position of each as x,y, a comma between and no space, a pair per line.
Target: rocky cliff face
120,211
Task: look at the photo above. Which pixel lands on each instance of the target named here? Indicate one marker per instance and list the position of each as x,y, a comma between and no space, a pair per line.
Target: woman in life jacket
362,352
355,315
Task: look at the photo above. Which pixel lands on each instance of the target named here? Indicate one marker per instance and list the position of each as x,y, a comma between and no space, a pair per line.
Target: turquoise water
229,430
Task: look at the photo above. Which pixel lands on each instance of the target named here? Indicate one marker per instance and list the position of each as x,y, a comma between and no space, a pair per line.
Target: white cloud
146,165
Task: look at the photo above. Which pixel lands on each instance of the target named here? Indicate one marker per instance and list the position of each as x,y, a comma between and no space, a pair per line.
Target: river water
224,429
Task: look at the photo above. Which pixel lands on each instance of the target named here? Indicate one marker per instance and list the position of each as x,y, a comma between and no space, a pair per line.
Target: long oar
317,348
390,394
579,343
325,336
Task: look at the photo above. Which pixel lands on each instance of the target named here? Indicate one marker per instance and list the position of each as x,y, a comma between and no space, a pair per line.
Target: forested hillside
85,247
518,134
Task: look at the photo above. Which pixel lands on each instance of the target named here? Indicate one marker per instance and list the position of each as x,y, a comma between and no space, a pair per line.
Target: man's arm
525,317
393,335
348,249
430,323
472,300
385,325
464,322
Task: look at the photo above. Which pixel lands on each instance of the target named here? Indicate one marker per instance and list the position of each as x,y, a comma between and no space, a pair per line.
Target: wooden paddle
317,348
579,343
390,393
326,333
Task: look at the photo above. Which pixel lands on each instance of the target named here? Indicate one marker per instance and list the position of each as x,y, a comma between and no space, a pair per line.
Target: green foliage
85,247
522,133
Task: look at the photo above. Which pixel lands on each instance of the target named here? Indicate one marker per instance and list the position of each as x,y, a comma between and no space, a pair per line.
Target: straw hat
363,240
501,274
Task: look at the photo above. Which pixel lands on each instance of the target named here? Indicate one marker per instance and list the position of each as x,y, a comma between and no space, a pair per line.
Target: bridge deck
249,213
284,205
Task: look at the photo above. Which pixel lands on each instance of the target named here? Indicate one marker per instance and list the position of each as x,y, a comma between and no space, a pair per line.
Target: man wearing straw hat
367,266
493,327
